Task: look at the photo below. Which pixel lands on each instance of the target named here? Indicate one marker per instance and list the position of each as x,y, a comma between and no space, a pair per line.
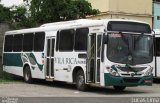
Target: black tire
119,88
27,75
80,81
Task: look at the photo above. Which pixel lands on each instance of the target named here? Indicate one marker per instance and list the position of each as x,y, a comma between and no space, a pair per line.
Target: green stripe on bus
12,59
40,66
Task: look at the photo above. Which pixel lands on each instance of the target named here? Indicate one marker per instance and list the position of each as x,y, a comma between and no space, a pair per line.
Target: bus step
49,78
94,84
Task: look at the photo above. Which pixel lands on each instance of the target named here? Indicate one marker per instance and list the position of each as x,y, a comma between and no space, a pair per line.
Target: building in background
156,14
127,9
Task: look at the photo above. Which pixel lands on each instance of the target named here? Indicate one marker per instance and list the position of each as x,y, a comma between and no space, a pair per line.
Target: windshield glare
129,48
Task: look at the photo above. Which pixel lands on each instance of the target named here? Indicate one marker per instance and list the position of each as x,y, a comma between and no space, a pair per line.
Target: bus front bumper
127,81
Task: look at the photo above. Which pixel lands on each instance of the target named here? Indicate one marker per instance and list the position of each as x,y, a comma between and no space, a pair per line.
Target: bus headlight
148,72
112,71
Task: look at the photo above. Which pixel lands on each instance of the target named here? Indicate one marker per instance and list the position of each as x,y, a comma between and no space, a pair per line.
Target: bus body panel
13,70
65,63
17,61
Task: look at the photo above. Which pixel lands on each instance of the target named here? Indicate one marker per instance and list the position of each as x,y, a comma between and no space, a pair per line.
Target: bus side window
81,39
28,42
8,43
66,40
39,41
17,43
157,47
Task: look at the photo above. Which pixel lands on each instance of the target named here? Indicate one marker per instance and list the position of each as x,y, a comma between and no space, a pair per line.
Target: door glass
53,41
52,67
98,45
48,47
93,58
47,67
99,40
50,57
98,70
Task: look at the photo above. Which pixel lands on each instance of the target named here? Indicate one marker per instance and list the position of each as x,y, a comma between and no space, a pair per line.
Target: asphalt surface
60,89
59,92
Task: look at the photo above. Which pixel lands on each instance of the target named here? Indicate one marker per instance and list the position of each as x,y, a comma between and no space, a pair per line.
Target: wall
131,6
129,9
3,28
102,5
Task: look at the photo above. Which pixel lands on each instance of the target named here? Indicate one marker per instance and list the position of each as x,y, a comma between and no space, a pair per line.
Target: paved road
58,89
50,90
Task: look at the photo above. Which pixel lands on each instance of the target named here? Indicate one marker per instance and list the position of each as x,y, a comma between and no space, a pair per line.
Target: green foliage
5,14
16,16
43,11
20,17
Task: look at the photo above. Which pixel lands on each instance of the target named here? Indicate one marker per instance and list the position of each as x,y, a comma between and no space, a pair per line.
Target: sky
9,3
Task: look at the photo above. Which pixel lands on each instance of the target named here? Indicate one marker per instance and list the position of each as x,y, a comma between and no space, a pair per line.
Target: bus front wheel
80,81
120,88
27,75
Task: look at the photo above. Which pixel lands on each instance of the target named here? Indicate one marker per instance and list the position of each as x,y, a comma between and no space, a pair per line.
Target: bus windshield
130,49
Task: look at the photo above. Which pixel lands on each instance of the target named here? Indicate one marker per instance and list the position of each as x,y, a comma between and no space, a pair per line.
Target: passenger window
66,40
8,43
39,41
81,39
28,42
17,44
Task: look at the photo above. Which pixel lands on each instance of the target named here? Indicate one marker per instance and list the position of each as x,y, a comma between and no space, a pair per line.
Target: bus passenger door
50,57
93,62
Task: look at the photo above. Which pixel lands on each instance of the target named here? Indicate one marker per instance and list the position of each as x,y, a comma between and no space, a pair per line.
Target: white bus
111,52
157,54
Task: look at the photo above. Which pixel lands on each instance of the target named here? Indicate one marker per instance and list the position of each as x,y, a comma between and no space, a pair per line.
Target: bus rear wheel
120,88
80,81
27,75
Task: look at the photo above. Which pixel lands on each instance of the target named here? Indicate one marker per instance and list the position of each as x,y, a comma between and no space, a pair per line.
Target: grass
6,78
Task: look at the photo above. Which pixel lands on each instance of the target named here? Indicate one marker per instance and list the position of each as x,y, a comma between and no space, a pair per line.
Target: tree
16,16
43,11
20,17
5,14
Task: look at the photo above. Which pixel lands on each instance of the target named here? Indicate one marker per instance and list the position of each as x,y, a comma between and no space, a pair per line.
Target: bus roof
59,25
80,23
